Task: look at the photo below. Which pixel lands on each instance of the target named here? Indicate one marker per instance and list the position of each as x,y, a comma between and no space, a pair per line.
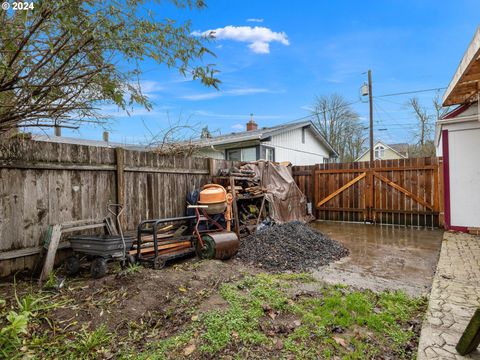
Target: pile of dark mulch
292,246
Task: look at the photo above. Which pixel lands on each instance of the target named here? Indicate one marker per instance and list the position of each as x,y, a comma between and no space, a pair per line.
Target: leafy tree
339,125
61,59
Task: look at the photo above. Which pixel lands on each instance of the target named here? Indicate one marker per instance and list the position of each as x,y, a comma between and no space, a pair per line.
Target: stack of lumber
169,240
255,190
236,172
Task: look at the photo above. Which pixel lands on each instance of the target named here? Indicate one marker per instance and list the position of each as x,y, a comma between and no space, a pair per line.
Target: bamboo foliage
60,61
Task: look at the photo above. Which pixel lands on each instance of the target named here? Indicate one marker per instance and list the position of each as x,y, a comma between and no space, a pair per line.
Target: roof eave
465,83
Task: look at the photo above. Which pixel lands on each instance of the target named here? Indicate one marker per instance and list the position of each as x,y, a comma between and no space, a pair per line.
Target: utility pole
370,100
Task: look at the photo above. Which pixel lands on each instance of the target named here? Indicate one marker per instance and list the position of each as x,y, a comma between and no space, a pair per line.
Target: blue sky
306,49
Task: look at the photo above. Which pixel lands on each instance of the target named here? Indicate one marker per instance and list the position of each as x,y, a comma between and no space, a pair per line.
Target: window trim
267,148
263,152
227,152
381,152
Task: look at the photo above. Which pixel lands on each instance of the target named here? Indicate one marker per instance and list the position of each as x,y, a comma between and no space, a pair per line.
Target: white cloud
307,107
260,47
204,96
258,37
231,92
238,127
235,116
257,20
113,111
149,88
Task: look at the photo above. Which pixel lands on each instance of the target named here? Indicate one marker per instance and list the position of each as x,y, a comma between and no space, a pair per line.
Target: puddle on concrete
383,257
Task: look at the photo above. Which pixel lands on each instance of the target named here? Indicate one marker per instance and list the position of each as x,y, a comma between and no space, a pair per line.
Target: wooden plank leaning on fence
54,241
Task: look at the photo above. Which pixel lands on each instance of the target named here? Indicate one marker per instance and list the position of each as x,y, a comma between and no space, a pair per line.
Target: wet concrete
383,257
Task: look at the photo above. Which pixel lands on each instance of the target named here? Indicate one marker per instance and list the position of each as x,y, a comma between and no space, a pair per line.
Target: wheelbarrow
100,248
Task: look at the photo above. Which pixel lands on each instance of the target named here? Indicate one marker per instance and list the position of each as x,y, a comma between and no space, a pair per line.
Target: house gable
389,153
300,146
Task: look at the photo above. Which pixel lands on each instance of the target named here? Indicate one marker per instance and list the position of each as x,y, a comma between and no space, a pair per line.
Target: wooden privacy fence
401,191
44,183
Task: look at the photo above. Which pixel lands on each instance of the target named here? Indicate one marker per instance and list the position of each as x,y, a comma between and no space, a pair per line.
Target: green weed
90,341
132,269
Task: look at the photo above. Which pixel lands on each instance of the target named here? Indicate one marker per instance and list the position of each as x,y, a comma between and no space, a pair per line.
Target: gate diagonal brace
343,188
403,190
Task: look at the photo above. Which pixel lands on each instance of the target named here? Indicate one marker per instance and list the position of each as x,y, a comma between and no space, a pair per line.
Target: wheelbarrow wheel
98,267
72,265
159,263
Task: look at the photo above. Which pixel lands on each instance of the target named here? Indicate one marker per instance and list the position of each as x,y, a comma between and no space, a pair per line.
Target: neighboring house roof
86,142
400,149
466,80
261,134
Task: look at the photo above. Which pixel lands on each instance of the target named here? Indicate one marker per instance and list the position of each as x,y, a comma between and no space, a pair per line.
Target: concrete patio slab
383,256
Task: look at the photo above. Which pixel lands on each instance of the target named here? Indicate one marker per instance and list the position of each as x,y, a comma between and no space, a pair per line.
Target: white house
457,139
299,143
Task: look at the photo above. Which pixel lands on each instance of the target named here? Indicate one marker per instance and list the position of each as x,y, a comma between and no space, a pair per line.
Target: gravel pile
292,246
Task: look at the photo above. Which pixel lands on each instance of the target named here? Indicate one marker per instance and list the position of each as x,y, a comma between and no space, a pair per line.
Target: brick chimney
105,136
251,125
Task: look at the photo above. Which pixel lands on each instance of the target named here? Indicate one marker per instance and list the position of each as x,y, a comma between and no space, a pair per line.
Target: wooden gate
404,192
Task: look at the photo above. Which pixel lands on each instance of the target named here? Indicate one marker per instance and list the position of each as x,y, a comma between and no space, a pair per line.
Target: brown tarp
287,202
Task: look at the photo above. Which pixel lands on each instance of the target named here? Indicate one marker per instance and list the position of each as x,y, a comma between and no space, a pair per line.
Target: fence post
212,167
120,180
370,194
314,183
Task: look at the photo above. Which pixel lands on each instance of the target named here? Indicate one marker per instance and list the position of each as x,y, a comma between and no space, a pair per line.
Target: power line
391,117
382,122
322,112
410,92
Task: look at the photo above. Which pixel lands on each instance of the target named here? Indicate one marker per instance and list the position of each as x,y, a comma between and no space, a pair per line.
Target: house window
269,154
249,154
245,154
379,152
303,135
235,155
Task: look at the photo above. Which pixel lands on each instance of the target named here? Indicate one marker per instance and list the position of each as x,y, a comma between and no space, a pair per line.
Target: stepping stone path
454,298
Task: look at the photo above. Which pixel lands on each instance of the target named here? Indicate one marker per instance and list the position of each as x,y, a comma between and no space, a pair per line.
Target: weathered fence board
405,192
44,183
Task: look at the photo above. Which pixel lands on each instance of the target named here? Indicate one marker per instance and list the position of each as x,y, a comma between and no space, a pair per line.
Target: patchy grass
335,321
263,315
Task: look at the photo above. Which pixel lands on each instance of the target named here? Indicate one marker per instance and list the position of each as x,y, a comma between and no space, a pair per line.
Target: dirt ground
383,257
142,296
210,309
213,309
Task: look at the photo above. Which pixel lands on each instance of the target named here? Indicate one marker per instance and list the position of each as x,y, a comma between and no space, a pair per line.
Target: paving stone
453,299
